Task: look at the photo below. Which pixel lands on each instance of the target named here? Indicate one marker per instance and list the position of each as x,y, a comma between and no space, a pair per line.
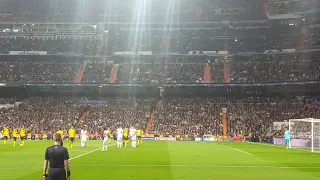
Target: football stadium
159,89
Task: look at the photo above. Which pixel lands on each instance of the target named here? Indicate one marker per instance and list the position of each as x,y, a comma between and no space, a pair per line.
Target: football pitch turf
166,161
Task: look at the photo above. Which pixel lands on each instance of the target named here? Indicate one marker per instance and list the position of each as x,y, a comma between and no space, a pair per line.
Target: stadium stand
119,112
42,114
100,10
176,116
242,42
40,71
97,72
245,115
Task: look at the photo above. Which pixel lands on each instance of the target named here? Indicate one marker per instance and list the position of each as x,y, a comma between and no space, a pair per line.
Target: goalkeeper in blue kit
287,137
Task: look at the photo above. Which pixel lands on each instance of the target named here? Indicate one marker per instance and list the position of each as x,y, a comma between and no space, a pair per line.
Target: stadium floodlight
305,133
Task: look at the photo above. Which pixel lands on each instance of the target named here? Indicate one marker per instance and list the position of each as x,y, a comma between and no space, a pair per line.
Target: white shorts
134,138
83,139
119,138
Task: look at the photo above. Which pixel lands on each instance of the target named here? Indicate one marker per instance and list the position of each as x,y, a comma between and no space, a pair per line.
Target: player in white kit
106,137
83,135
133,136
119,137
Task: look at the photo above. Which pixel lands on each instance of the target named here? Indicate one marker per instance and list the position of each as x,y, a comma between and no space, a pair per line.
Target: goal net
305,134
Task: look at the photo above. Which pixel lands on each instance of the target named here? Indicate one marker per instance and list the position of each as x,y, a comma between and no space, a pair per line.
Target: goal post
305,133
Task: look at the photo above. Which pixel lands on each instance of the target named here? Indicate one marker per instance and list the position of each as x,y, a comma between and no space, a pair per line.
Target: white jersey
83,134
119,134
105,135
133,134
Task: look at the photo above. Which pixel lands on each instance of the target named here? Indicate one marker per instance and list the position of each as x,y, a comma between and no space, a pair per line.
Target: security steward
57,157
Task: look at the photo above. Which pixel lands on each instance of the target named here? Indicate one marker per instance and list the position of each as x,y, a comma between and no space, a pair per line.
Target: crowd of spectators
40,71
245,115
246,39
287,67
155,73
174,116
119,112
284,68
100,10
40,115
97,72
285,7
303,130
234,39
312,40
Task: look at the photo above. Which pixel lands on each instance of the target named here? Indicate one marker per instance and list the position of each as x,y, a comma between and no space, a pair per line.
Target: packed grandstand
101,67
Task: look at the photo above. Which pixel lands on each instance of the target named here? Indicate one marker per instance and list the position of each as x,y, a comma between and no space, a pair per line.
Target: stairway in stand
151,117
80,73
207,74
226,73
302,39
113,74
82,118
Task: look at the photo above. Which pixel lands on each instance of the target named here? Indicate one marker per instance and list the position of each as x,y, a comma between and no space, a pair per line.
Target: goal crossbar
310,120
304,120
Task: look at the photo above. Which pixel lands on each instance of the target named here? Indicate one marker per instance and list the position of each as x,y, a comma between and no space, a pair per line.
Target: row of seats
100,10
182,41
239,69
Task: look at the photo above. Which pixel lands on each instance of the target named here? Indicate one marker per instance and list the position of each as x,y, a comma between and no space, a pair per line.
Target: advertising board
165,138
147,138
185,139
293,142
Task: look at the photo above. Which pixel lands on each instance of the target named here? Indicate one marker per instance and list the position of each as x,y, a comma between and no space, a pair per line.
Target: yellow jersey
5,132
109,132
139,132
15,133
71,133
125,133
23,132
60,132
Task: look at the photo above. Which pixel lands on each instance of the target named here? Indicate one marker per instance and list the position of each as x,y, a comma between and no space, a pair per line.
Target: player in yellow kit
61,133
22,136
139,134
125,137
111,136
72,133
5,133
15,135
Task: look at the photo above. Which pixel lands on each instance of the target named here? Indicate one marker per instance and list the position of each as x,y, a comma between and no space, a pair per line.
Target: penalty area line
76,157
238,150
279,146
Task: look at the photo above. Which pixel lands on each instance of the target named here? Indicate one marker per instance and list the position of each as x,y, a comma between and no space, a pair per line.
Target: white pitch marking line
88,153
237,149
279,146
195,165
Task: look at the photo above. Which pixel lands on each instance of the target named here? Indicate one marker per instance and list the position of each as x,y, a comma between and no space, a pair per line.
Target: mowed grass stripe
149,152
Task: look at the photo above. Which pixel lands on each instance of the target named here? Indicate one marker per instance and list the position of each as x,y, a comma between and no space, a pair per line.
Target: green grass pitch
166,161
